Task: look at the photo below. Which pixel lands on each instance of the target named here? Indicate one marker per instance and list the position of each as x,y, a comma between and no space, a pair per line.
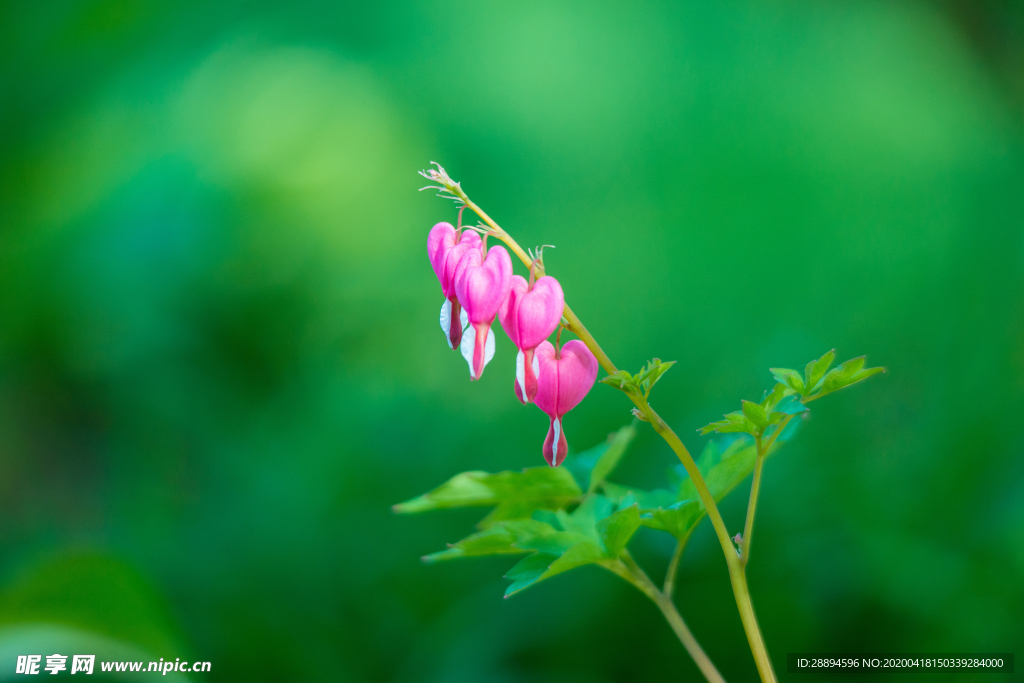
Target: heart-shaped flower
482,282
565,378
529,315
445,246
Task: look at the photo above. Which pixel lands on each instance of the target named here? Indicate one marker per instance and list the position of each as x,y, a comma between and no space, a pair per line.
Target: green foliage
567,517
609,458
817,380
790,393
542,512
534,487
641,383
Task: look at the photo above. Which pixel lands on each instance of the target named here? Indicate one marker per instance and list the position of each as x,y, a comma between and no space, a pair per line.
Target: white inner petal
463,318
536,366
489,347
521,373
467,346
446,318
557,424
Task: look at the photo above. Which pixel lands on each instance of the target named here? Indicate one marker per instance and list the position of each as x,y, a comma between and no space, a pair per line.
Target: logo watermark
84,664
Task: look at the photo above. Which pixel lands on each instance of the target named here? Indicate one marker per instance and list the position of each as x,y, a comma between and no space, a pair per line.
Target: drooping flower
529,315
445,246
565,378
482,282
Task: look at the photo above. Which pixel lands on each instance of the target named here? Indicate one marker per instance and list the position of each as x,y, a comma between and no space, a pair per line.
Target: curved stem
755,489
736,573
673,567
628,569
737,576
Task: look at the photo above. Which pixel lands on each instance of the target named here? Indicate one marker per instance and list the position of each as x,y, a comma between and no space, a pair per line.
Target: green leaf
532,534
567,541
755,413
815,370
528,571
611,457
540,566
649,376
545,486
616,529
496,540
850,372
517,509
772,398
723,470
790,405
733,422
624,496
620,380
642,382
791,378
713,454
583,520
678,519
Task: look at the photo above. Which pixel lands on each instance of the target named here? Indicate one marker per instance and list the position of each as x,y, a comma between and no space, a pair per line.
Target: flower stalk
737,574
627,569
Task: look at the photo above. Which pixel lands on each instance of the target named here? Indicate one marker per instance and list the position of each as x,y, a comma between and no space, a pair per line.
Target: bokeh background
220,362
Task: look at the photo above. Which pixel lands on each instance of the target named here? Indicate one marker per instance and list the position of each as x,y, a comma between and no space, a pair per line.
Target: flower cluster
478,286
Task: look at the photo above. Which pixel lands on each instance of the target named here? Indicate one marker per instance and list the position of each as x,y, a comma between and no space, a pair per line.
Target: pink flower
565,378
445,246
529,315
481,285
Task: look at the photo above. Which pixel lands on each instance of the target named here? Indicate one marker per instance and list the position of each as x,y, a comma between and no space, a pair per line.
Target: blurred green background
220,362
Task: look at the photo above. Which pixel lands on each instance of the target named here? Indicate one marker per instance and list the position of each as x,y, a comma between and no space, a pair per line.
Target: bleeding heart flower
529,315
565,378
445,246
481,285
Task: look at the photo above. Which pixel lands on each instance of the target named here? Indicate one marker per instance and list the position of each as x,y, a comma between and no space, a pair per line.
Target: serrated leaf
791,378
755,413
714,452
544,485
611,457
815,370
678,519
846,374
790,405
649,376
623,496
616,529
583,520
624,381
496,540
528,571
618,379
733,422
540,566
516,509
772,398
532,534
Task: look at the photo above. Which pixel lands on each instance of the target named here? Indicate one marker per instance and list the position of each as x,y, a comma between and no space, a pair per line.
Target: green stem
736,575
755,489
628,569
673,566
